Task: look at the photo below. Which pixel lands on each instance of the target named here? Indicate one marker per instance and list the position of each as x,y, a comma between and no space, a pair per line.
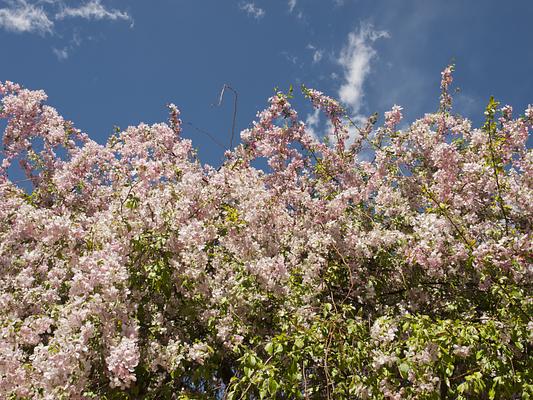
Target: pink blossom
122,361
393,117
133,256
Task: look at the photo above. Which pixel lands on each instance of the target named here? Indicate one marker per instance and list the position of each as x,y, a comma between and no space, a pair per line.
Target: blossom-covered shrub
132,271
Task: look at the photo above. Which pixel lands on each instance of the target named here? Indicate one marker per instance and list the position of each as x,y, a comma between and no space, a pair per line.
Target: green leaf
404,370
252,361
272,386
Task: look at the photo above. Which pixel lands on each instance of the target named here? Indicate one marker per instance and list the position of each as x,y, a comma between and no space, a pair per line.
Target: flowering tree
132,271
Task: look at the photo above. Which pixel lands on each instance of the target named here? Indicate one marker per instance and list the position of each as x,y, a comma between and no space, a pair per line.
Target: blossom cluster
130,270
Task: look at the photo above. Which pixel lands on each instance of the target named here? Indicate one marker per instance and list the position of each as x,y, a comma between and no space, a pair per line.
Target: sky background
116,62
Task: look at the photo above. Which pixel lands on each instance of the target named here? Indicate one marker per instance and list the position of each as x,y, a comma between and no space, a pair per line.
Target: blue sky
113,62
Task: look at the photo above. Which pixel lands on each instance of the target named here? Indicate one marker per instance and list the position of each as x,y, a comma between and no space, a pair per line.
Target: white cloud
61,54
93,10
317,53
292,4
22,17
290,57
338,3
38,16
41,16
312,122
251,9
356,58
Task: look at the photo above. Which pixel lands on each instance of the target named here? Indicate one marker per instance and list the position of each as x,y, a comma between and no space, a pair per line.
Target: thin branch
449,218
305,381
498,186
235,99
207,134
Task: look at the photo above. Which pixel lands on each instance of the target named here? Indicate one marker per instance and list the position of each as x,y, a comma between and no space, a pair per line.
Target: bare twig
499,198
235,99
462,234
305,381
207,134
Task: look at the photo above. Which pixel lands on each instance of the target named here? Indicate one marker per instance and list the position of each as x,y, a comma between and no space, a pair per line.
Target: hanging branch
210,136
235,98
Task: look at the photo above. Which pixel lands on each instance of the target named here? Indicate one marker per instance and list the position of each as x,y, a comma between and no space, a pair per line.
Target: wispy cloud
290,57
40,16
61,54
21,17
251,9
93,10
317,53
356,59
292,4
312,122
